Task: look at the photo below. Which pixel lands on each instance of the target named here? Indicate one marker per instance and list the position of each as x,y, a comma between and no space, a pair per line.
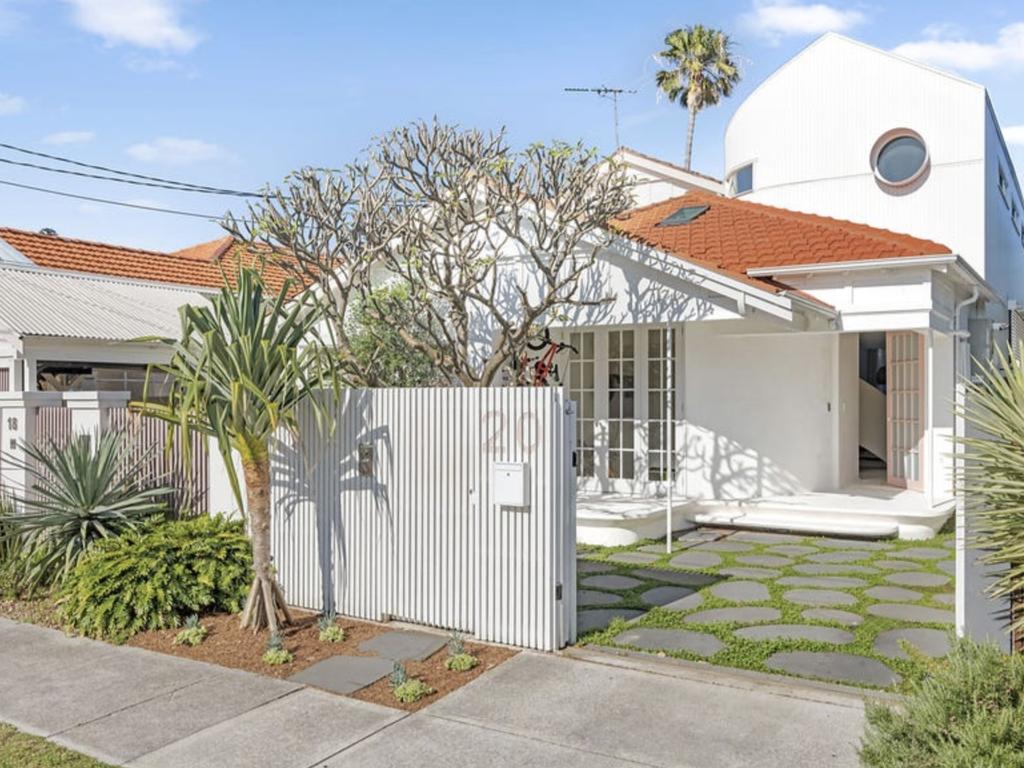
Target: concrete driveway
132,707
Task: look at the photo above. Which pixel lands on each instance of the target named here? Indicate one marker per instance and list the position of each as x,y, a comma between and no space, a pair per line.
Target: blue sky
236,94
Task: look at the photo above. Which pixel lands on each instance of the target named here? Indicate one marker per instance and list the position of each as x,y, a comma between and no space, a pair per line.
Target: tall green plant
243,366
993,469
77,494
700,72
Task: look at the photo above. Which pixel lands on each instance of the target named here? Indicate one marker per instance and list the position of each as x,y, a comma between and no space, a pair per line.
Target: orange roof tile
199,265
733,236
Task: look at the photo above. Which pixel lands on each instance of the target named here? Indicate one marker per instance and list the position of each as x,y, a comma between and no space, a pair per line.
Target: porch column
90,411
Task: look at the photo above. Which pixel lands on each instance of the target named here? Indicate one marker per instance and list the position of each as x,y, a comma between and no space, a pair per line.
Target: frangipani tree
242,368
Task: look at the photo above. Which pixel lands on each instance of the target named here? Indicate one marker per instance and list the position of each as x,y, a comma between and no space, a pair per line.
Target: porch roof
736,237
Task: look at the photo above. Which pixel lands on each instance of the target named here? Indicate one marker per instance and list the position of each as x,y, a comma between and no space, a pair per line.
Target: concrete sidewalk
132,707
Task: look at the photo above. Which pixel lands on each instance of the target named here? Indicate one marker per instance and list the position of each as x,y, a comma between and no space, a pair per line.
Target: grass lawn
850,574
19,750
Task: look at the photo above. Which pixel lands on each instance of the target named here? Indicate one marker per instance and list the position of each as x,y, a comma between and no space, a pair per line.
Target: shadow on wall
718,467
316,478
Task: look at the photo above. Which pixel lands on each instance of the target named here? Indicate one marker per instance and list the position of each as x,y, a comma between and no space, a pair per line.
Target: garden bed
228,645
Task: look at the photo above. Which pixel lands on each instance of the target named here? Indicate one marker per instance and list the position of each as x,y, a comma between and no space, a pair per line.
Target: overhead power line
179,185
139,206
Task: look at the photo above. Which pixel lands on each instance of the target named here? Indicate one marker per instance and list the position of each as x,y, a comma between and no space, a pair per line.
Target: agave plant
993,469
78,493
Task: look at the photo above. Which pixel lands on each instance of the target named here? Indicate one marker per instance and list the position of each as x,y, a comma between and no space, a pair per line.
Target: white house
821,303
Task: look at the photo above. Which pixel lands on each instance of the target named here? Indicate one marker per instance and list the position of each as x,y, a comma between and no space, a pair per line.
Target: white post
667,438
90,411
18,411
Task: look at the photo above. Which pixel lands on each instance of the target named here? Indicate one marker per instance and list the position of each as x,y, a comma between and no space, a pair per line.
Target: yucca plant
992,473
10,543
77,494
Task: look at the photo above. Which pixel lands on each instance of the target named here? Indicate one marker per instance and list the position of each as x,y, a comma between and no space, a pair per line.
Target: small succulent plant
413,689
276,654
461,662
192,634
398,675
330,632
456,644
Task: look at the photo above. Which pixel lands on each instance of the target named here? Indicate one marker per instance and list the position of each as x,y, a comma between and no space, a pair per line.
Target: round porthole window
899,158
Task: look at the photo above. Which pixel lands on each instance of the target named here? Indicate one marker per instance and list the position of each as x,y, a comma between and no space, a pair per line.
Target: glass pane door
904,352
581,389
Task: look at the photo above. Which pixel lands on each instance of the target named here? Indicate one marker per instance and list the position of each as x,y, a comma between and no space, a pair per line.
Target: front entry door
905,394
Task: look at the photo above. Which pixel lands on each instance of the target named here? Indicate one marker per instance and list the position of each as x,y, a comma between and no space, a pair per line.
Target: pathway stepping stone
743,572
894,594
917,614
832,614
832,543
840,556
404,645
659,549
611,581
724,546
791,550
591,597
699,643
946,598
826,569
822,582
925,553
633,558
930,642
691,559
600,618
684,604
743,615
818,597
949,544
681,578
897,565
917,579
344,674
698,537
664,595
741,591
772,561
592,566
765,537
832,665
949,566
796,632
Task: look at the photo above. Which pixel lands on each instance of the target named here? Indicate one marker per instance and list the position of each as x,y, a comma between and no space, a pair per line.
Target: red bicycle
541,370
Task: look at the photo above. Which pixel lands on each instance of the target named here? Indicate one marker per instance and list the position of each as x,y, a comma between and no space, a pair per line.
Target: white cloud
11,105
69,137
775,19
1014,134
946,48
151,24
168,150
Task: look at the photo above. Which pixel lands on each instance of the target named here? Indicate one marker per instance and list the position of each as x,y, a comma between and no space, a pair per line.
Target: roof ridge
83,241
106,278
669,163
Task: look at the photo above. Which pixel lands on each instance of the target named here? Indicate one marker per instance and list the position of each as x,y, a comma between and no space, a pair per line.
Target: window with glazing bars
621,404
581,390
657,404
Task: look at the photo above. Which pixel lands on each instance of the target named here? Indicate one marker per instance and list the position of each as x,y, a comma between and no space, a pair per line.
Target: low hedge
966,712
153,578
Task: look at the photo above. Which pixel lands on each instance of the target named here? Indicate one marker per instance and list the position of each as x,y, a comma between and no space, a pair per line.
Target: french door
904,408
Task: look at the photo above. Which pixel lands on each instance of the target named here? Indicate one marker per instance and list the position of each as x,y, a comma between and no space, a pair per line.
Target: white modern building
793,335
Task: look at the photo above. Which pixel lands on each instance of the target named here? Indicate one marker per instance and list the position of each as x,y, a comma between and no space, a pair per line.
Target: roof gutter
829,312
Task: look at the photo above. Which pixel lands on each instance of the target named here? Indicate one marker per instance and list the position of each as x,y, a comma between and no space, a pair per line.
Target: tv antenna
606,93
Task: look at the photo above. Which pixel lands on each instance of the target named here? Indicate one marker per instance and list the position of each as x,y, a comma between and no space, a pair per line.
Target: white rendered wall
757,412
847,408
810,128
1002,241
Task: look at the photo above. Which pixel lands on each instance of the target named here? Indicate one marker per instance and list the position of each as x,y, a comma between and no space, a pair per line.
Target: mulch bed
229,645
40,610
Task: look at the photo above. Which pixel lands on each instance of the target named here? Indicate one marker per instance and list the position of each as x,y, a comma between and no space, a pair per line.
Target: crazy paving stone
796,632
917,614
691,559
741,614
930,642
585,597
684,604
825,569
602,617
840,556
822,582
724,546
659,549
831,665
896,565
946,598
949,566
917,579
592,566
744,572
741,591
610,581
833,543
665,595
818,597
832,614
893,594
633,558
649,639
682,578
772,561
791,550
924,553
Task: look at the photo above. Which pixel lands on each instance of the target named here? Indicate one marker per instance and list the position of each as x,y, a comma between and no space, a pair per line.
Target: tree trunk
689,135
266,599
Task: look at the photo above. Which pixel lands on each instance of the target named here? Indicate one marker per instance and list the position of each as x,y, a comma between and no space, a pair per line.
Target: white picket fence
393,516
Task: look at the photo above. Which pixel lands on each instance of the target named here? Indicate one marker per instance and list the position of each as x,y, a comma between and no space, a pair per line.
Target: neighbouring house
793,335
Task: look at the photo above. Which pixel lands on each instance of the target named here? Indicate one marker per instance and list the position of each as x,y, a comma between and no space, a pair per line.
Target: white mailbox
510,484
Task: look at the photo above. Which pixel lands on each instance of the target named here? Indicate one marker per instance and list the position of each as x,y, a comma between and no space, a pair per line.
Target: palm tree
244,366
700,72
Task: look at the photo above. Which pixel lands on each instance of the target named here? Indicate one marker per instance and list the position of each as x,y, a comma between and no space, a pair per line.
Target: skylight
684,215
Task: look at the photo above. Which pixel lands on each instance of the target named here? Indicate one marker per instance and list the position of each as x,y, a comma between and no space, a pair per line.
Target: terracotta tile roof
733,236
199,265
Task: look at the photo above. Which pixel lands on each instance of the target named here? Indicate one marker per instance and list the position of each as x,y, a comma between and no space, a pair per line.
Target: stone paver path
823,607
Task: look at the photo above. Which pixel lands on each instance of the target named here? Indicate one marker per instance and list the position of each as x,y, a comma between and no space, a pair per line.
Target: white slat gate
416,536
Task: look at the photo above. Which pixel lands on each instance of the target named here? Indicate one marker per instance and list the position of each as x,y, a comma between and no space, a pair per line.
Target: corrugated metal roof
39,302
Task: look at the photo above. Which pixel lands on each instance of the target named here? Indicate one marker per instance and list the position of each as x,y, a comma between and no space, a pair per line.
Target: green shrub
461,662
193,634
149,579
330,632
412,690
80,493
10,546
276,654
969,711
